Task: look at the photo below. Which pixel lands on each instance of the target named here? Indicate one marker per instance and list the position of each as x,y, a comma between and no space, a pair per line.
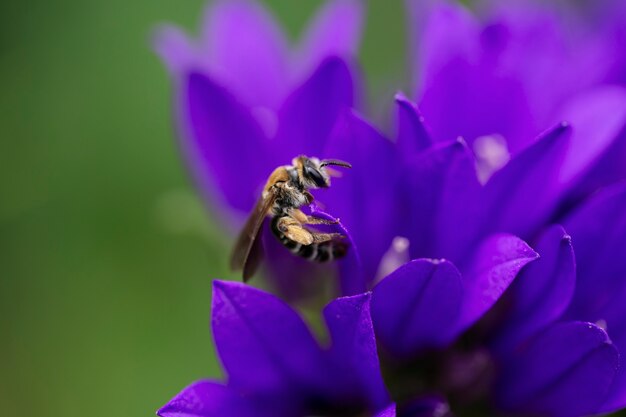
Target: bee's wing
248,250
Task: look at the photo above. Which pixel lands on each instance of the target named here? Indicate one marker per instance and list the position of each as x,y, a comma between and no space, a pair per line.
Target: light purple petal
247,51
411,135
387,412
264,345
335,31
438,201
354,348
493,268
310,112
176,50
219,137
206,399
522,195
463,92
565,372
542,291
598,147
417,306
364,197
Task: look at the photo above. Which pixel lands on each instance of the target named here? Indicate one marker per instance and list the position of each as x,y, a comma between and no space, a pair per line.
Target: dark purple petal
437,197
247,51
495,264
417,306
335,31
364,197
522,195
565,372
310,112
264,345
207,399
542,291
411,135
598,230
219,136
354,348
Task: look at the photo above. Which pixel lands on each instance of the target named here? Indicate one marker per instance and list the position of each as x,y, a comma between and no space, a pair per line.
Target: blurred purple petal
247,51
219,137
565,372
411,135
522,195
417,306
493,268
598,148
176,50
335,31
264,345
207,399
354,347
542,291
462,90
310,112
387,412
430,406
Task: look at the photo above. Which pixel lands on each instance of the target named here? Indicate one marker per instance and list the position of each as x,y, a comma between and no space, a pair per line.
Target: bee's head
313,172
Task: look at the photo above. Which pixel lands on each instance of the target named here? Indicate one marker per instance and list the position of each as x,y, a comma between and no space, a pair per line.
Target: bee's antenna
335,162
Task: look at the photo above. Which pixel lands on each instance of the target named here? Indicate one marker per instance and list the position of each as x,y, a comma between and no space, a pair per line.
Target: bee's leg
294,230
325,237
304,219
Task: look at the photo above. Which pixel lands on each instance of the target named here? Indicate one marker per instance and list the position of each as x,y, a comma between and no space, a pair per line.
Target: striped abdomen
317,252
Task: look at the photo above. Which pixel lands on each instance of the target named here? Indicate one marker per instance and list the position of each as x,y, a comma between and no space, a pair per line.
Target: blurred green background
106,254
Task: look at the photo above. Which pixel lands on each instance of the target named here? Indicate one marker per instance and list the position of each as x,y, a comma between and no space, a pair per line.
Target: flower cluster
486,271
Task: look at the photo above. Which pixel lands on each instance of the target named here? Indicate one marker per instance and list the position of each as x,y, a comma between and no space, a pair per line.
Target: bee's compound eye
315,175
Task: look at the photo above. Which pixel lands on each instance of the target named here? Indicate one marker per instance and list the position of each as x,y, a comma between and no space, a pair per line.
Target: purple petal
310,112
598,230
495,264
219,137
417,306
206,399
264,345
175,49
542,291
247,51
522,195
335,31
387,412
598,148
412,135
364,197
463,92
565,372
354,348
438,198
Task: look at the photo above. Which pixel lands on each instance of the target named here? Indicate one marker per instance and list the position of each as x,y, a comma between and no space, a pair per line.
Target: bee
286,190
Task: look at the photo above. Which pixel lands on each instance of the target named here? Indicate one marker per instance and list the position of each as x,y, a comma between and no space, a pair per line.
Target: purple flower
275,367
489,227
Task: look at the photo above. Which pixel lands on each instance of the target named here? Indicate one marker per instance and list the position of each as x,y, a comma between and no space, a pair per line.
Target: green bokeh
106,255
